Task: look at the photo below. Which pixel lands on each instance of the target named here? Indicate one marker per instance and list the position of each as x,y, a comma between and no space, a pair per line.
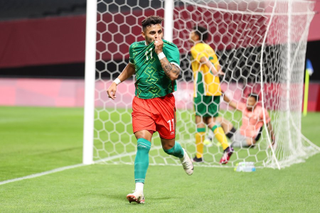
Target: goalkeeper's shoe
136,197
187,163
226,155
198,160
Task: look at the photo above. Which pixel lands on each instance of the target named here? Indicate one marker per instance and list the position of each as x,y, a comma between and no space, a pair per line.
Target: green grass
38,139
34,140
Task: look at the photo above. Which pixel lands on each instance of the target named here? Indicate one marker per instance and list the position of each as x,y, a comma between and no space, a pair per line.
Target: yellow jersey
205,82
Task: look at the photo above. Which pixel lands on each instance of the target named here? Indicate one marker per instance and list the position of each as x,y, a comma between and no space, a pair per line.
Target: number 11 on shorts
171,124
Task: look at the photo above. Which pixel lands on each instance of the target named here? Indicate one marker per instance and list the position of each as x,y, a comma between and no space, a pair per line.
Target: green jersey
151,80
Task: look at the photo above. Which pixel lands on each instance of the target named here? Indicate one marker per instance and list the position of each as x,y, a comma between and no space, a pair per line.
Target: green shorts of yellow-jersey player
207,106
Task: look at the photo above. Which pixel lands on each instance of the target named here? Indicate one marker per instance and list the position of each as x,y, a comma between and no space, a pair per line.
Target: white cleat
187,163
136,197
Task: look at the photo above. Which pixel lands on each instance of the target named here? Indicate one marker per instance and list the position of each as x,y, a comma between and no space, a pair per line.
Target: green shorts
207,106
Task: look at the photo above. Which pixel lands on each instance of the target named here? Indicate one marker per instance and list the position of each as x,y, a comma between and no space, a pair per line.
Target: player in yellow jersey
206,70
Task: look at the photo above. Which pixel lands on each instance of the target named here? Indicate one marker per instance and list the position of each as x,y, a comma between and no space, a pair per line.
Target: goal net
261,48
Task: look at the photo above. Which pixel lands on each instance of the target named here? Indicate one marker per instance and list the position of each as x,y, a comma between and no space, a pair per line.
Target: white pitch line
72,167
41,174
61,169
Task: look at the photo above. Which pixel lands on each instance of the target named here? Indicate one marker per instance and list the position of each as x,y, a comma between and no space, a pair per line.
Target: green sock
176,150
141,162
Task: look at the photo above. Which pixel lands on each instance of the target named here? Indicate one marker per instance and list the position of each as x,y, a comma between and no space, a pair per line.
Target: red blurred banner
62,40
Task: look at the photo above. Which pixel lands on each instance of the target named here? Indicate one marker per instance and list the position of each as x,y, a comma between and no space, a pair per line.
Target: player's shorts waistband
162,97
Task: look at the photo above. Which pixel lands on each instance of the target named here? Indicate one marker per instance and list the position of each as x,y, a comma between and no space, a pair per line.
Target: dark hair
151,20
254,95
202,32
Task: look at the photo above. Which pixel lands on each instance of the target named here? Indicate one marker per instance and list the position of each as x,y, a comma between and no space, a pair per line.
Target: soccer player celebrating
207,92
252,122
155,62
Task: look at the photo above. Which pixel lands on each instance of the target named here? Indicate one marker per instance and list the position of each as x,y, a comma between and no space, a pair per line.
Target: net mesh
261,48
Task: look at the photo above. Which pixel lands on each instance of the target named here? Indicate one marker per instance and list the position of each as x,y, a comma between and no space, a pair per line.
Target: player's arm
270,129
127,72
205,61
171,70
231,103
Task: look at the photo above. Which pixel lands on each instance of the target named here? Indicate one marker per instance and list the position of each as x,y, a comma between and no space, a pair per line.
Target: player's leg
166,125
143,128
210,119
239,140
173,147
213,111
243,141
221,137
200,109
251,142
227,127
234,135
200,137
141,162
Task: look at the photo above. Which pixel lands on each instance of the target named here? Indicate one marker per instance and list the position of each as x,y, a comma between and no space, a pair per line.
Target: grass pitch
34,140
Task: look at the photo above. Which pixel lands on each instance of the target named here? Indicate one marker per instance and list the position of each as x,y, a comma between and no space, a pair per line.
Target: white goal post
260,45
90,64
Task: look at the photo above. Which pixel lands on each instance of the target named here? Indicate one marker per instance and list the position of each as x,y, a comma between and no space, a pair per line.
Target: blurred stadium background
46,40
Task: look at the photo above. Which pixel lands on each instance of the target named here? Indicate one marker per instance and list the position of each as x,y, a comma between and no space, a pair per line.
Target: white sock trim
139,187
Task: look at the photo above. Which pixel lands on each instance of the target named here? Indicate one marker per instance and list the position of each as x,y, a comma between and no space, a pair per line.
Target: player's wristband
161,56
117,81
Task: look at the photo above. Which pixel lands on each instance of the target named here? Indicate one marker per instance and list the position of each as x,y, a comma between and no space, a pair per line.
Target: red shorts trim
156,114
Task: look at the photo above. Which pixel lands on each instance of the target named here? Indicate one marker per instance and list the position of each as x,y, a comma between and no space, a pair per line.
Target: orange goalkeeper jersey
252,121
